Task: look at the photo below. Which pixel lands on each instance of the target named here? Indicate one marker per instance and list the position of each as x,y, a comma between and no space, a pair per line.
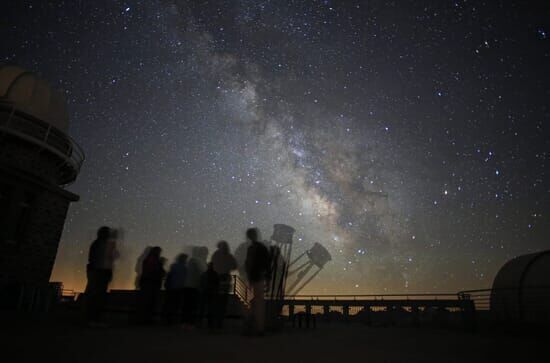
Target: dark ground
63,340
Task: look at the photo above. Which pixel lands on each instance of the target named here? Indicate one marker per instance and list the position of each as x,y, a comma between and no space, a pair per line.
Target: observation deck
23,126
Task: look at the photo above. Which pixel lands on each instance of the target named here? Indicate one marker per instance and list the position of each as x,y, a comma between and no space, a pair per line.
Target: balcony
46,137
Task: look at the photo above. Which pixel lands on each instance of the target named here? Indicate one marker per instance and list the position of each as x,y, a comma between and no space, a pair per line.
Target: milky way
409,139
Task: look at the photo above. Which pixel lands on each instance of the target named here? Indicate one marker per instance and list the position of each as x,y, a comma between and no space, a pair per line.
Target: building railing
241,290
31,129
481,298
515,303
373,296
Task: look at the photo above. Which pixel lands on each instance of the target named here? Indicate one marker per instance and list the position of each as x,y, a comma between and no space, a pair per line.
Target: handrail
484,299
241,289
543,287
47,137
382,296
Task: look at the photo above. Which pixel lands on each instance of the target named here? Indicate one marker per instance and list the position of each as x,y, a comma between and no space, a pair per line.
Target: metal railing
69,295
27,127
517,303
241,290
376,297
481,298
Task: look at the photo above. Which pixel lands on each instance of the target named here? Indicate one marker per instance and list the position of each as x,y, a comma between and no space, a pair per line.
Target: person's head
155,252
223,246
253,234
103,233
182,258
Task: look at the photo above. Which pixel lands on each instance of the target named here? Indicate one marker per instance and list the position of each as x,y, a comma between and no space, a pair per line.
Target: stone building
37,160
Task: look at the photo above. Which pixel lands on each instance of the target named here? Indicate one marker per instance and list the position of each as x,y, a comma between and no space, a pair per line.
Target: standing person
257,269
223,263
191,293
139,265
174,284
99,272
150,284
210,285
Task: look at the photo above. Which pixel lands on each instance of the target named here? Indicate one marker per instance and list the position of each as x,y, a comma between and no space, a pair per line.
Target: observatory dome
34,96
521,289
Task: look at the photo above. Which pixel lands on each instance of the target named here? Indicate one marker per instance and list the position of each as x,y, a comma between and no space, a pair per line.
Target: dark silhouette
174,284
150,284
99,272
191,293
223,263
139,265
257,270
210,284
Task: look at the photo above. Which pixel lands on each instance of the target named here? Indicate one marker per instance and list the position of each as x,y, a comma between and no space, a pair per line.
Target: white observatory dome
33,96
521,289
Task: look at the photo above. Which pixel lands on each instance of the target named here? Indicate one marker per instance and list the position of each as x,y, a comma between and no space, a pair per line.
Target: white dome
521,289
34,96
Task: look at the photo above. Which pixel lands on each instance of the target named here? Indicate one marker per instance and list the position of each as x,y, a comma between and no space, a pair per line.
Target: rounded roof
34,96
521,288
514,272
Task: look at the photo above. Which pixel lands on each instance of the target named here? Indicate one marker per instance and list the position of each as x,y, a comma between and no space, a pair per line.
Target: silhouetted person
174,284
150,284
191,291
257,269
210,284
99,272
223,263
139,265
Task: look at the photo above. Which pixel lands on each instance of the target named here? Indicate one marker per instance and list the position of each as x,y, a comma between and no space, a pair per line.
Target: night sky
410,138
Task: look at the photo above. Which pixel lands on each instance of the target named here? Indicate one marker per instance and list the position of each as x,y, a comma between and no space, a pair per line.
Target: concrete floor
62,340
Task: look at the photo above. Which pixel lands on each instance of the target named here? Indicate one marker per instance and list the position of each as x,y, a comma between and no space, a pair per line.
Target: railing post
469,315
415,315
291,312
308,315
234,284
345,310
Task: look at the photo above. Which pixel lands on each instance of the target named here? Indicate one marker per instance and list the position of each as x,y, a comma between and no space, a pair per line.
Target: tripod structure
280,250
317,256
300,272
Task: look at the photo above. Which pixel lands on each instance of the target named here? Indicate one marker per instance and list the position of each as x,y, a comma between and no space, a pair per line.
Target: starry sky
409,138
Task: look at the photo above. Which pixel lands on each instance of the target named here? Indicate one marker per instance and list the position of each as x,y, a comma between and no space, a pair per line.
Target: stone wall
30,258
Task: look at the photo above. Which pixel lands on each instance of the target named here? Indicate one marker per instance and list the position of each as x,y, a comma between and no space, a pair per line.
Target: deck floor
63,340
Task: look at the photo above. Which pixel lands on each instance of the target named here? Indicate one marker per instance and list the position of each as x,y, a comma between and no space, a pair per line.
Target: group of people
193,287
